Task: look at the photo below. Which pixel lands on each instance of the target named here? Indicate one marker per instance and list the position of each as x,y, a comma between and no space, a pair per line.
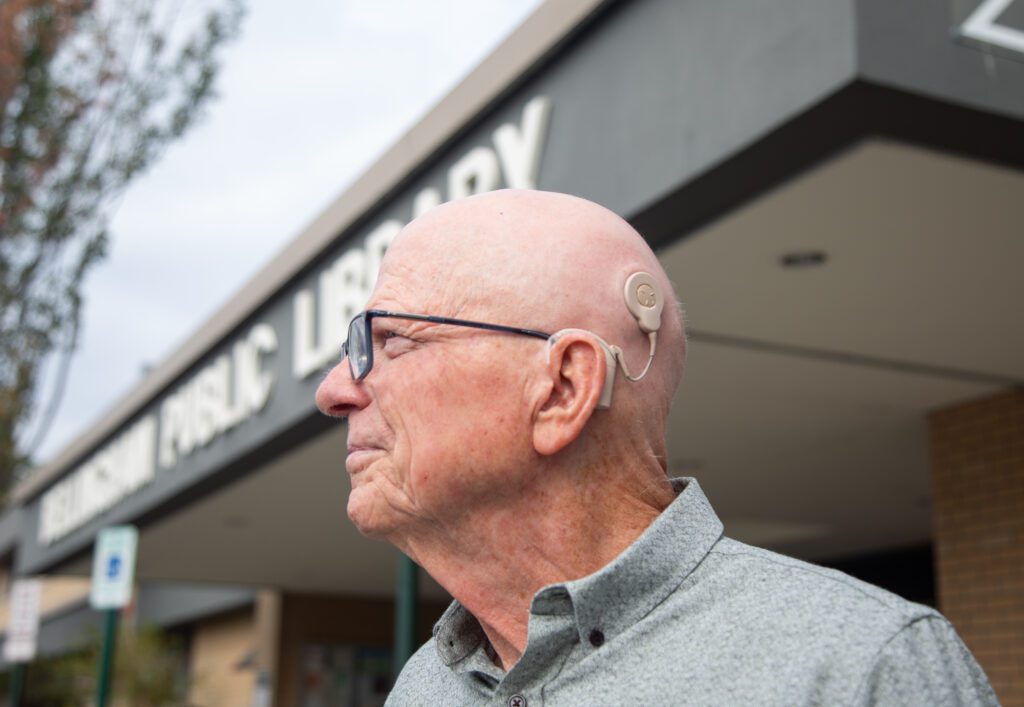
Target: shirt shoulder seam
882,648
799,566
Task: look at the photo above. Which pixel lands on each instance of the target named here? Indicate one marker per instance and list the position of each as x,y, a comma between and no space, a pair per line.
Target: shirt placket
552,636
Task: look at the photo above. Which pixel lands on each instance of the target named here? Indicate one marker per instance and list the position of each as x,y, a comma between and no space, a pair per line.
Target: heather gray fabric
686,616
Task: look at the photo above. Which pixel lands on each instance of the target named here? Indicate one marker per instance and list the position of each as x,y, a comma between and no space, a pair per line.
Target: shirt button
516,701
596,638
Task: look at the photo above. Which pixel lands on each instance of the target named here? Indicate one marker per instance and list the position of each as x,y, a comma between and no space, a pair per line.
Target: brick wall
978,495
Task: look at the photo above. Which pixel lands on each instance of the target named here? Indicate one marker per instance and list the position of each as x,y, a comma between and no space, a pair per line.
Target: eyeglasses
358,349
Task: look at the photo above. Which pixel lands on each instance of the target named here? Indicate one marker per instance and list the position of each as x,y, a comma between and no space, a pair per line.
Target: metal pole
106,656
17,684
406,605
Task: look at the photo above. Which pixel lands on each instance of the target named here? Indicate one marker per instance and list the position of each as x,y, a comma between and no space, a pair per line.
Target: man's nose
338,395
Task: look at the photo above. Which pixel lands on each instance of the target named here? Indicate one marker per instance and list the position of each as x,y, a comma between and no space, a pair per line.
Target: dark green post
406,605
107,656
17,683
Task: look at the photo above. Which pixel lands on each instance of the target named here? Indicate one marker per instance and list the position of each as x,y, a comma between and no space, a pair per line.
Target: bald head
546,261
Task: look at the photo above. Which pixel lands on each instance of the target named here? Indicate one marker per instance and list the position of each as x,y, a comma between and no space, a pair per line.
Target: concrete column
978,498
268,647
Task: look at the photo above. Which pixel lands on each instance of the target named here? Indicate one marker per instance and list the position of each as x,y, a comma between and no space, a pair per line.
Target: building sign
115,471
23,624
223,394
219,397
988,24
113,567
237,384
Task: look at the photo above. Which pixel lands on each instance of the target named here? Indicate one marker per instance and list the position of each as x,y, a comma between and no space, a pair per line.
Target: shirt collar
457,634
623,591
629,587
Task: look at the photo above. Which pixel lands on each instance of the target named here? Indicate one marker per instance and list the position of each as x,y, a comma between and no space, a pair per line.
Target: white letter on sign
475,173
519,148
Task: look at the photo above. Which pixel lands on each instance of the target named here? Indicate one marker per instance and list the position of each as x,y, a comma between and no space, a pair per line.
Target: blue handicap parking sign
113,567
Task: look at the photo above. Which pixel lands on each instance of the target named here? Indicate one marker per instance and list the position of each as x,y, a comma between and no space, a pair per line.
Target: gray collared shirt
686,616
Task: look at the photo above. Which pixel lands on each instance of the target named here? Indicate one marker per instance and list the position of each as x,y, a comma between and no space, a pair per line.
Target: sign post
113,575
17,683
22,631
106,657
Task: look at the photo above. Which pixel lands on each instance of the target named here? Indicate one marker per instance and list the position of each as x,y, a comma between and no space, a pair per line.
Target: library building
835,188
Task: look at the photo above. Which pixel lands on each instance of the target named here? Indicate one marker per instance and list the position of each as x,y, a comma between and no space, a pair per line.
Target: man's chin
368,519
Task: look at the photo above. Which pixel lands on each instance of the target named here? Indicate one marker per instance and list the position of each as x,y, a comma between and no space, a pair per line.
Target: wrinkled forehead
419,279
453,272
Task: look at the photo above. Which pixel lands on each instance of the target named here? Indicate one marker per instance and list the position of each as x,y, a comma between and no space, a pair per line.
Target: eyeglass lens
358,347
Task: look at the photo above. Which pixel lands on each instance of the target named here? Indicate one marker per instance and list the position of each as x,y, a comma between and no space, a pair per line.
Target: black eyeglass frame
369,315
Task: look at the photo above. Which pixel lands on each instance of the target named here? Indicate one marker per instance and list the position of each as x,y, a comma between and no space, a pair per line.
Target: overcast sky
310,94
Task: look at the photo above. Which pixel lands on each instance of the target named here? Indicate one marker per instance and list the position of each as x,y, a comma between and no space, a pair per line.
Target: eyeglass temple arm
460,322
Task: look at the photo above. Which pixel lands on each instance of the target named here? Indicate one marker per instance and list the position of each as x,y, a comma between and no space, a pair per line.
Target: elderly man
506,394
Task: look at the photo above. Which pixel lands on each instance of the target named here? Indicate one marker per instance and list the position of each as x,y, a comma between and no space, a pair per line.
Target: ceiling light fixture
803,259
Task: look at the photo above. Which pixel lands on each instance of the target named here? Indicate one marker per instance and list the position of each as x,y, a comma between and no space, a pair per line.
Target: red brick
977,450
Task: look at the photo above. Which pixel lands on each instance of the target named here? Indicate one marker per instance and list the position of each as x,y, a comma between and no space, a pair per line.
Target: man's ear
577,367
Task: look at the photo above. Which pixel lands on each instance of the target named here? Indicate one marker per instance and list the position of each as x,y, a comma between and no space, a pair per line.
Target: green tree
150,670
91,92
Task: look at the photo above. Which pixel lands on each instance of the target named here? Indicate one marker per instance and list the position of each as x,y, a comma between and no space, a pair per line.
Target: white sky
309,95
